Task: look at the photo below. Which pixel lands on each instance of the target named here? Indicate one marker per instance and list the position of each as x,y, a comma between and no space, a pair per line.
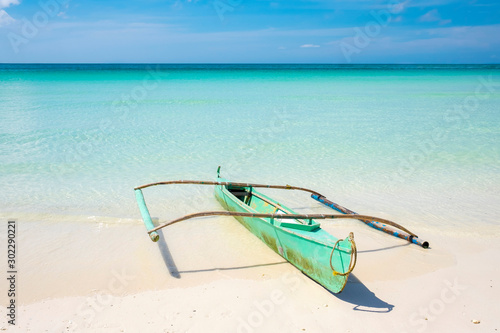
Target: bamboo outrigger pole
146,217
374,222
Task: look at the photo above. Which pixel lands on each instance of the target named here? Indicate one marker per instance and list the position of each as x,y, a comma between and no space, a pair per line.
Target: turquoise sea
419,144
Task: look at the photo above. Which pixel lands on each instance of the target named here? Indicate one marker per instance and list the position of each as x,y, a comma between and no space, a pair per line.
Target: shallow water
416,144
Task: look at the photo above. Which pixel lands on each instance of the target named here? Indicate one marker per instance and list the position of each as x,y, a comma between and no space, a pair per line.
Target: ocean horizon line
248,63
240,66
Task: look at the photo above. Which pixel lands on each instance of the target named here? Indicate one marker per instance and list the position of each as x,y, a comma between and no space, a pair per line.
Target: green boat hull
302,243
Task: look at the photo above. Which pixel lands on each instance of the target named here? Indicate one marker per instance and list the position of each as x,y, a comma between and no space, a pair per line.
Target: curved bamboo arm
198,182
284,216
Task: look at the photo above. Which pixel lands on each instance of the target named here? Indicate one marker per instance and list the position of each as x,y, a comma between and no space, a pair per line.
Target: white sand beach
112,278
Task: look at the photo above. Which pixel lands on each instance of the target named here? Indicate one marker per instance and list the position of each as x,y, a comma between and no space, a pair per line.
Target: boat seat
240,193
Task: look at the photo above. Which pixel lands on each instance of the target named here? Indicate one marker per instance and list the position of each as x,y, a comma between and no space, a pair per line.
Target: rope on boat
354,254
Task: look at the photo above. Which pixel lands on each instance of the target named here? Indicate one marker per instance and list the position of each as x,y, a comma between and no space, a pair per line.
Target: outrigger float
296,237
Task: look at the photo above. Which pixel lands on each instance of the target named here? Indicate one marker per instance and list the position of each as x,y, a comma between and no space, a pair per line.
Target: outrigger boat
296,237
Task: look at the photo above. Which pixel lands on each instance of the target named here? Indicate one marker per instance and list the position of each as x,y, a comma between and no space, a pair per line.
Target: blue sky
245,31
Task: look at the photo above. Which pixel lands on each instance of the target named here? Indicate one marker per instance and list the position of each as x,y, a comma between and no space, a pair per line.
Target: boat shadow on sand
358,294
167,256
174,271
355,292
363,298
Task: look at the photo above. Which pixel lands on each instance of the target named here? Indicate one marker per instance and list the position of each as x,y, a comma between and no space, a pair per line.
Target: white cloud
430,16
5,18
309,45
433,16
428,3
455,42
7,3
399,7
